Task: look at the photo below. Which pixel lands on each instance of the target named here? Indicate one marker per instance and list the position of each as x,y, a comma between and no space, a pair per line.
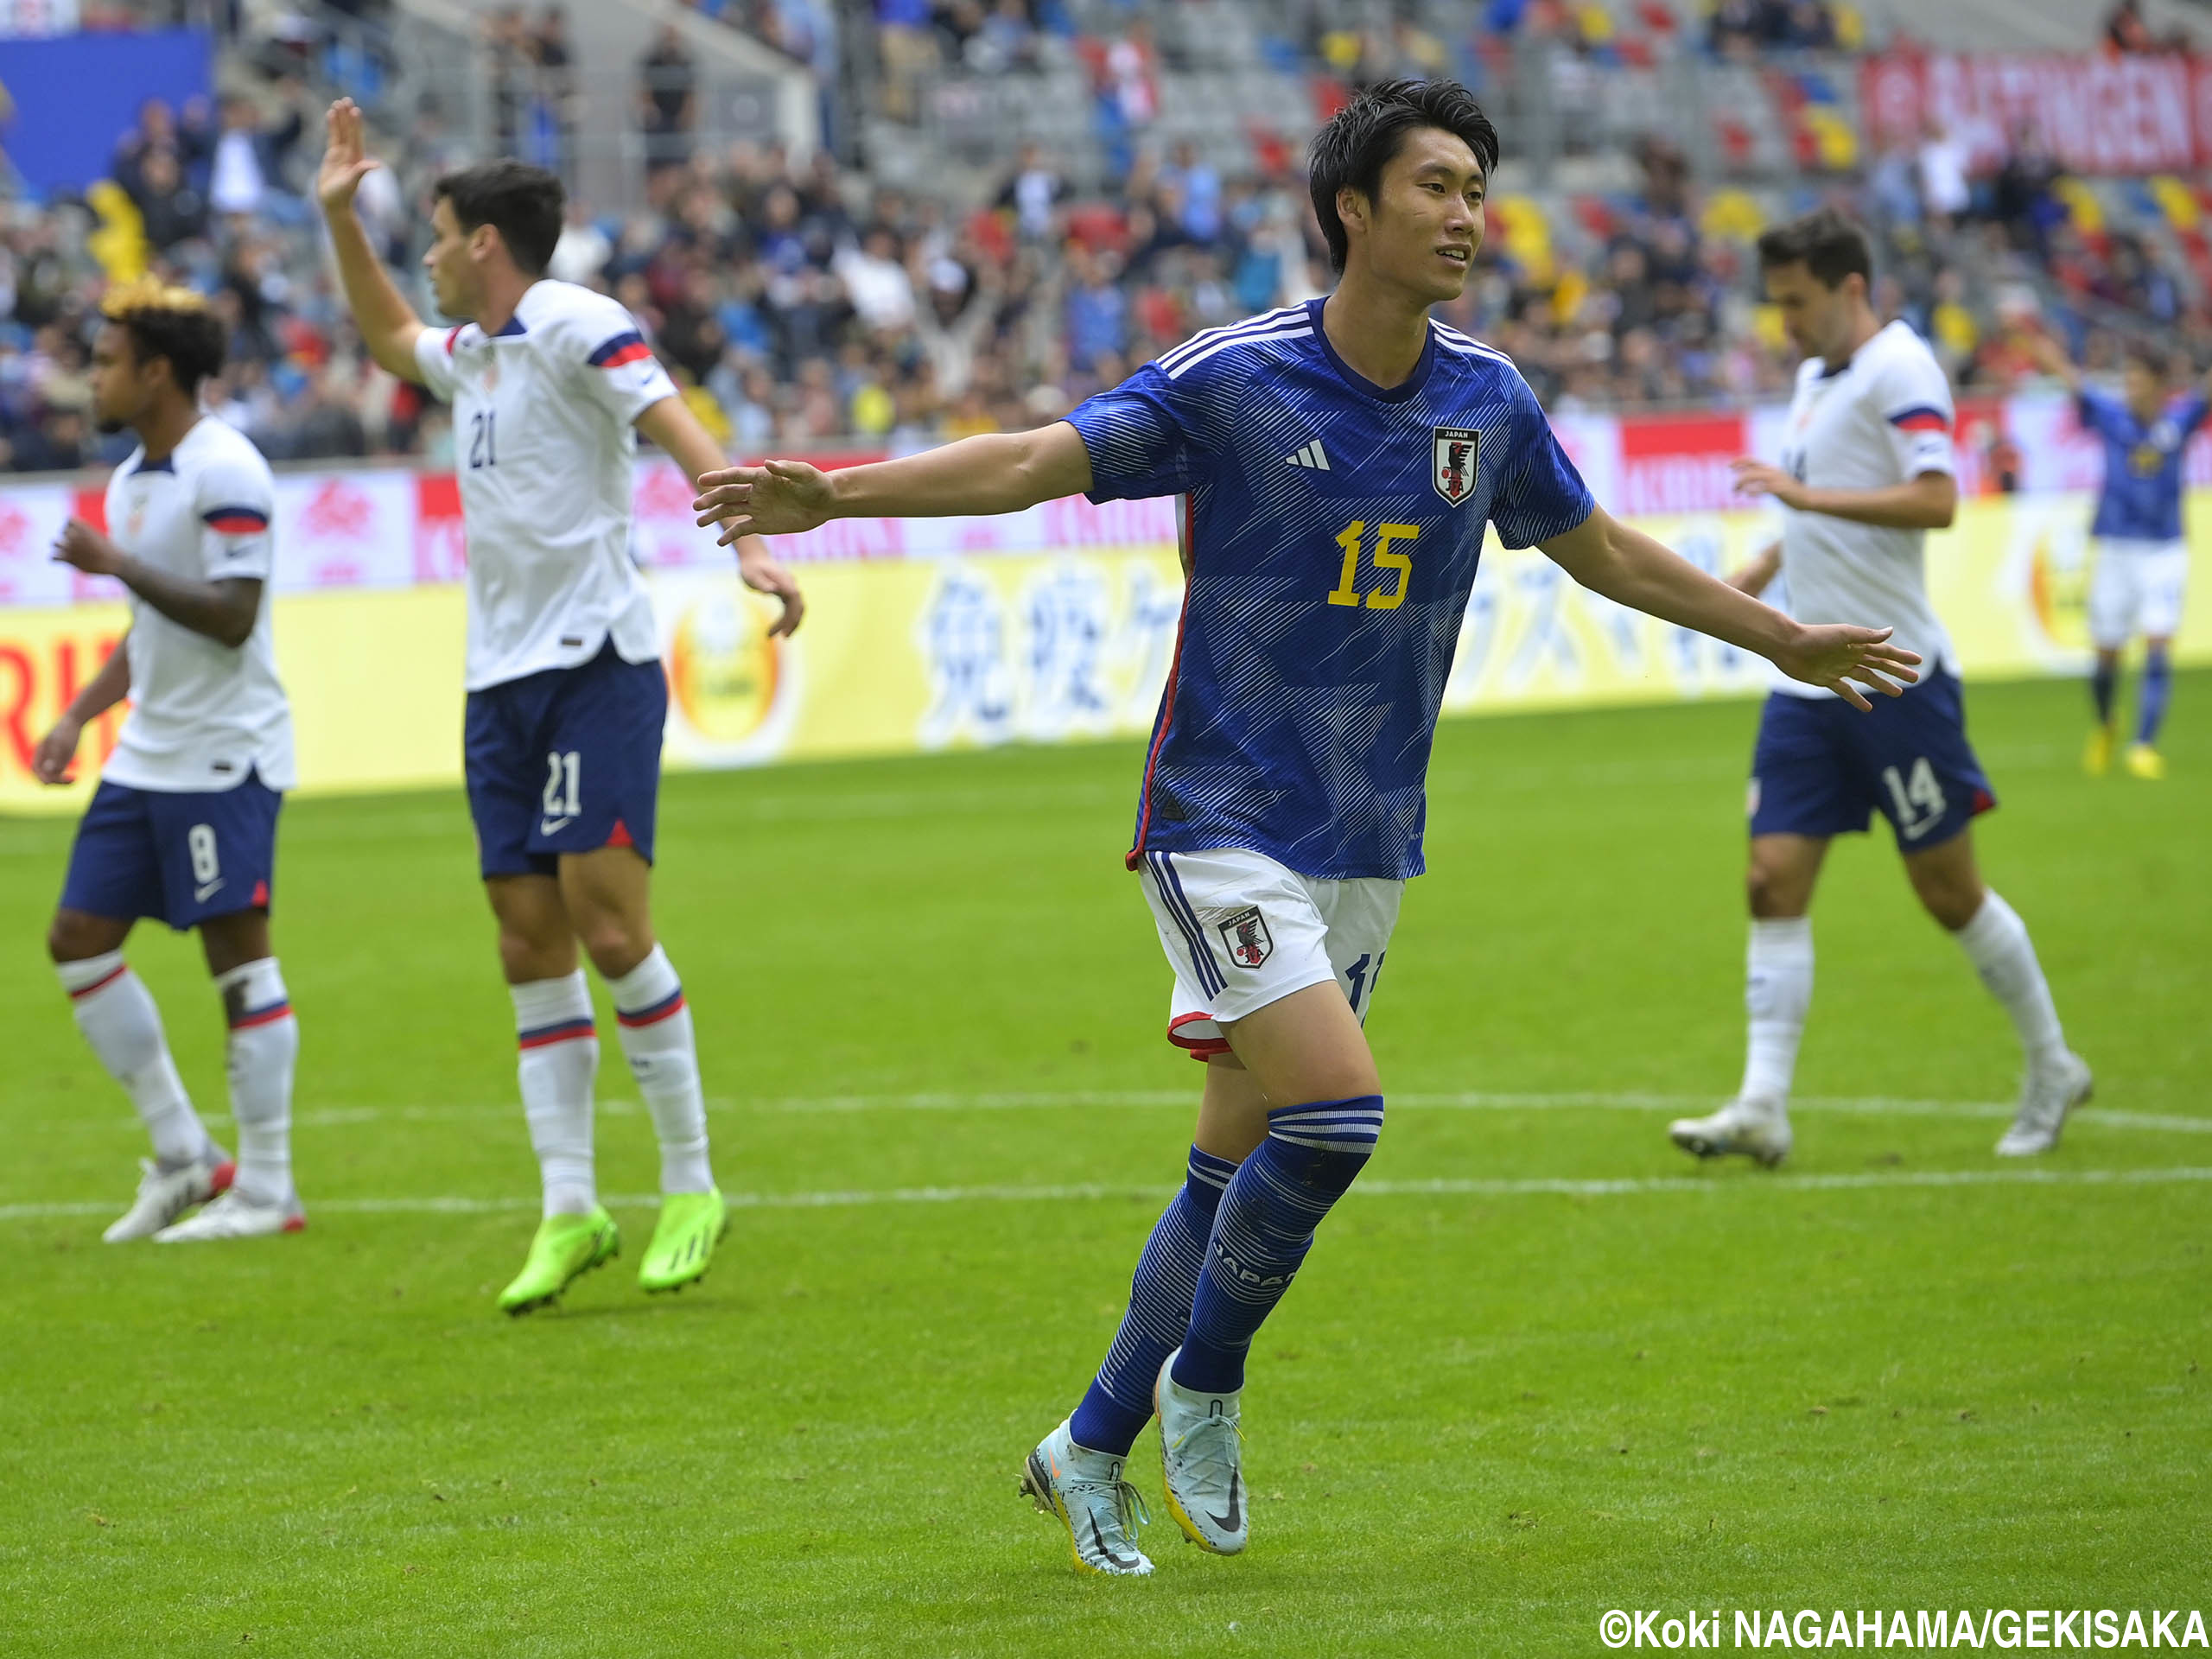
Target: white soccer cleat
165,1195
1085,1490
1201,1464
1757,1128
2045,1098
235,1215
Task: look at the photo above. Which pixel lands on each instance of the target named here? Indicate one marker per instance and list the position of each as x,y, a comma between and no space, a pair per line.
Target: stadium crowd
800,308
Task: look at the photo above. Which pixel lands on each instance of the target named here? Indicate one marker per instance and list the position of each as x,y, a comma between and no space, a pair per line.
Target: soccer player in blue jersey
2142,561
1337,463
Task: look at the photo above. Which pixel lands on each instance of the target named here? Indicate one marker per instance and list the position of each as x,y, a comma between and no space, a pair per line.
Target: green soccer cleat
691,1224
565,1248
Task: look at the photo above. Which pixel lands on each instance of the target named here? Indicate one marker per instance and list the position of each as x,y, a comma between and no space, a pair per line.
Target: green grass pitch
1538,1366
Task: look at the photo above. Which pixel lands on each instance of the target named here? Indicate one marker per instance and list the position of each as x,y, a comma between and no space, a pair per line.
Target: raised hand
1834,654
345,160
778,498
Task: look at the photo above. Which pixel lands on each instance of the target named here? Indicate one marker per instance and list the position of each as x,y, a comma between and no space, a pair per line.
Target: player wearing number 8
183,828
566,698
1337,463
1865,473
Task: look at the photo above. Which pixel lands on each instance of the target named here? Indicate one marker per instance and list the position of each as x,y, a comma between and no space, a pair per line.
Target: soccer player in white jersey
183,826
1866,472
567,700
1337,463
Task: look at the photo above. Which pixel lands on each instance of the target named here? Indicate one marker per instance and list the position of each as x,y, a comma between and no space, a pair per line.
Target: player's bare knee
1773,892
615,943
74,936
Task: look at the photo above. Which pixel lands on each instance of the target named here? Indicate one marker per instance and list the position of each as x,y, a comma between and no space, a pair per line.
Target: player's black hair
1362,138
171,322
525,204
1824,243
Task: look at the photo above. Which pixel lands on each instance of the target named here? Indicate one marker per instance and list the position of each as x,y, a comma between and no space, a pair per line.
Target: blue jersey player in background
2141,573
1337,463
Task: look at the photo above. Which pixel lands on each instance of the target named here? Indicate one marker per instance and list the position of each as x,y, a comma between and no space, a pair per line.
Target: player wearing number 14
1337,463
566,698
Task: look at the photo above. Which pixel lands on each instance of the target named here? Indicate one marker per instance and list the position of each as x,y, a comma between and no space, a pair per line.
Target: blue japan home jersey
1331,530
2141,500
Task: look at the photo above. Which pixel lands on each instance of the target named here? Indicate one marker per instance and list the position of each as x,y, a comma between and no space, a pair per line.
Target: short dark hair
1827,244
1362,138
172,322
525,204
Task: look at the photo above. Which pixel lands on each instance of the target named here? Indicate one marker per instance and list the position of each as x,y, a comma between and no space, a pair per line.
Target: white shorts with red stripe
1241,930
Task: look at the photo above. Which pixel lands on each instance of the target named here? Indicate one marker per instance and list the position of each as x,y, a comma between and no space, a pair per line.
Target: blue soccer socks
1114,1412
1266,1225
2150,700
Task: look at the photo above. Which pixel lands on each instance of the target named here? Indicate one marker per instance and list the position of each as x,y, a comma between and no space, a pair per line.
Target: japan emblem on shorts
1452,467
1246,935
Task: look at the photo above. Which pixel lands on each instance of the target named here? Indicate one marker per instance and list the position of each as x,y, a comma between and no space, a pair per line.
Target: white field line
1185,1100
1540,1187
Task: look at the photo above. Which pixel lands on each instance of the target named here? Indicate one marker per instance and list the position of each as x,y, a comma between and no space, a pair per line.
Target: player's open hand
346,159
80,545
758,569
57,752
778,498
1835,654
1759,478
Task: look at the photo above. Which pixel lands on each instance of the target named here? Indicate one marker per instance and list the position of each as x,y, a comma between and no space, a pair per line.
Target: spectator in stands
557,95
2022,196
1033,191
2126,31
1944,191
245,174
907,47
667,102
173,212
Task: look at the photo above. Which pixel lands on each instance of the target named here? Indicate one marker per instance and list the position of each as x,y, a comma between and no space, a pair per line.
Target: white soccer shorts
1241,932
2136,588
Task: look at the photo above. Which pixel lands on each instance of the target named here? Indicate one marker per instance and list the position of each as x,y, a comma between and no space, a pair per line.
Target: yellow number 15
1400,565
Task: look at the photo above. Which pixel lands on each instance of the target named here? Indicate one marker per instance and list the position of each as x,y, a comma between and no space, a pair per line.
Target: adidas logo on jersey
1310,458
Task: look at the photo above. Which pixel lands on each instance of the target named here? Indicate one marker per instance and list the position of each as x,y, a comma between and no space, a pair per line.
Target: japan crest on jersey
1247,937
1451,467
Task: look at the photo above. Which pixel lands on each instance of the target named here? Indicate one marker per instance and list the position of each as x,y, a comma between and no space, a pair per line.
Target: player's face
1426,220
2146,396
1817,318
120,392
453,273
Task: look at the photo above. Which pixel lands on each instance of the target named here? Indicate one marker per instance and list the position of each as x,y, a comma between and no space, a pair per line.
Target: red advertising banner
2098,115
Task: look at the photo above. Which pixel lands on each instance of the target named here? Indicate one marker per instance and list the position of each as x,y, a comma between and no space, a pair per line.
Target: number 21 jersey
542,413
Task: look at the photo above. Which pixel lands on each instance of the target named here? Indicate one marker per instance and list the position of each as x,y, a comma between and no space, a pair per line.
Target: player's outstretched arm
1756,577
994,472
57,750
223,610
677,430
388,324
1927,501
1628,567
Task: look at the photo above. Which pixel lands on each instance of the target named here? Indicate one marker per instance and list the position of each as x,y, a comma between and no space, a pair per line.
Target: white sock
264,1050
116,1011
559,1058
1996,941
1777,992
656,1040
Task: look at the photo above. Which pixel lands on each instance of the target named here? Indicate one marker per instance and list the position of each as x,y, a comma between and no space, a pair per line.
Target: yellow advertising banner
905,654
